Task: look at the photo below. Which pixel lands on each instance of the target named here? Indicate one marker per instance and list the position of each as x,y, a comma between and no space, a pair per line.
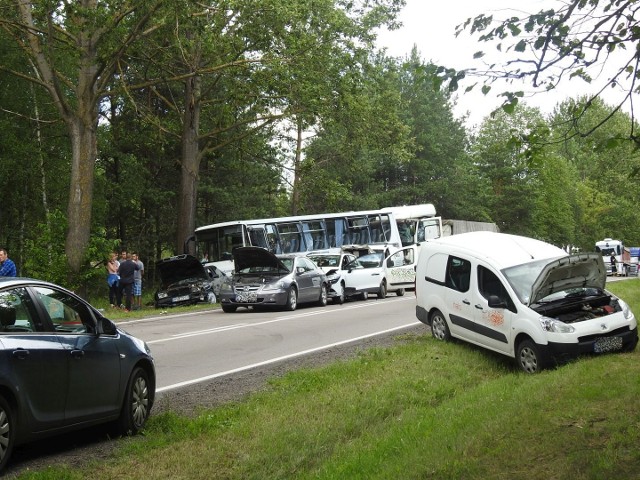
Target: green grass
422,409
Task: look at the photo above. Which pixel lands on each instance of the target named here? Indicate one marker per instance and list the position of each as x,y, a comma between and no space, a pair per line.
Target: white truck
626,259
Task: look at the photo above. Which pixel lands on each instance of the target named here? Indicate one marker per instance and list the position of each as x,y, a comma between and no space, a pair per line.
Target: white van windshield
522,277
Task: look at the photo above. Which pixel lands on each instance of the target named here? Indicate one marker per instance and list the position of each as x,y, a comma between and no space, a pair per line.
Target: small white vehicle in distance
356,276
520,297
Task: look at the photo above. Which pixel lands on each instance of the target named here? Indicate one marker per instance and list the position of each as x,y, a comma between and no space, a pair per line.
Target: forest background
128,124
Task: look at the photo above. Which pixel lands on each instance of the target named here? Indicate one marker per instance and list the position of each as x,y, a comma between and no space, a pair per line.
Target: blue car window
16,314
67,314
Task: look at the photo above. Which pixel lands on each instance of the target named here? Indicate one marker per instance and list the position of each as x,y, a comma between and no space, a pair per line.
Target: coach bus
389,228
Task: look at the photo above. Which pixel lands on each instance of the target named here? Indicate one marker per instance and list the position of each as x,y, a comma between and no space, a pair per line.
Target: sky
430,25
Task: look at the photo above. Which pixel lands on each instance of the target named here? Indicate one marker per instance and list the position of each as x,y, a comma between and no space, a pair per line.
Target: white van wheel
439,327
530,358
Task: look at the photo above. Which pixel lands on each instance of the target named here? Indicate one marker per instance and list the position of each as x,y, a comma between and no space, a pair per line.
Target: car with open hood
186,281
261,279
521,297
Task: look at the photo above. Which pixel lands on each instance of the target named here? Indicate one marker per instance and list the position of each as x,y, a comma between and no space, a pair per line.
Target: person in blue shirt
7,267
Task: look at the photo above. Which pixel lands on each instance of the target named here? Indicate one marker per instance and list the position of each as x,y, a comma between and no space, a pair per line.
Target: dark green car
65,367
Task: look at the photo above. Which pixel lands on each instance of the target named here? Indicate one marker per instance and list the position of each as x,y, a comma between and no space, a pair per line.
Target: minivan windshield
522,277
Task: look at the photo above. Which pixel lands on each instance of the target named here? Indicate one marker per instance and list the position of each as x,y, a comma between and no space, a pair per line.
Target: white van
521,297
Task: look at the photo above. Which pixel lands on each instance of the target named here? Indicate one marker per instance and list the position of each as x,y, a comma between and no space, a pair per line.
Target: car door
93,361
34,362
459,297
364,274
493,323
309,280
400,269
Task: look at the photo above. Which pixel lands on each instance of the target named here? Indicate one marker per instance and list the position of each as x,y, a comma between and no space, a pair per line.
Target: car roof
503,249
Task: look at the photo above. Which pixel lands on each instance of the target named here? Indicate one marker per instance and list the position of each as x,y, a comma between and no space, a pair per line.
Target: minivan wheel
439,327
400,292
7,432
530,357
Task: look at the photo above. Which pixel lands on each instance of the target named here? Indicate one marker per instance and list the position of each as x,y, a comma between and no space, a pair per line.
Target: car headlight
333,278
555,326
626,311
226,287
274,286
162,295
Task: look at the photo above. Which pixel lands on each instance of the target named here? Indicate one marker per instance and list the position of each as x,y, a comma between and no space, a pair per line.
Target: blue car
65,367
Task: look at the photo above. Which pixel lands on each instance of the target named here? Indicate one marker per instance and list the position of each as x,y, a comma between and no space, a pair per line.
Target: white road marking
278,359
196,333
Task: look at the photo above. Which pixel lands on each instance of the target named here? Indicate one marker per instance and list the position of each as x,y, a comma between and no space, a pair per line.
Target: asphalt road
194,348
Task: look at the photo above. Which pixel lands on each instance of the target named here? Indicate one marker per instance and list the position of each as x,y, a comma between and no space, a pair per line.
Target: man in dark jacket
126,271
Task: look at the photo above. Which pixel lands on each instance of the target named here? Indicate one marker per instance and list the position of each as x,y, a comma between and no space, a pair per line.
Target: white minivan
521,297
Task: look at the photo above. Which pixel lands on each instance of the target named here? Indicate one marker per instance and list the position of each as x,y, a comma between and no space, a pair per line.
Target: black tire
400,292
382,291
137,403
229,308
322,301
292,300
439,327
531,357
7,432
340,299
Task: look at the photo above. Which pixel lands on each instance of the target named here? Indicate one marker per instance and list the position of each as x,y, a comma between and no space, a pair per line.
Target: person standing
7,267
126,270
115,294
614,268
137,282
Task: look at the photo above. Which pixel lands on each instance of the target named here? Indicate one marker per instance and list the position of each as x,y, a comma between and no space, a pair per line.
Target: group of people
124,277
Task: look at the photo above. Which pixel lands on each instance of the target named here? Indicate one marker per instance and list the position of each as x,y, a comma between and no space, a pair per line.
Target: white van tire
439,327
531,357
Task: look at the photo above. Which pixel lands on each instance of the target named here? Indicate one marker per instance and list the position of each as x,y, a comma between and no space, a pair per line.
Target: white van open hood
573,271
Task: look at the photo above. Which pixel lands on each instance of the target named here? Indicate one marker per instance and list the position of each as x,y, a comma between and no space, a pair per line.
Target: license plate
183,298
607,344
246,297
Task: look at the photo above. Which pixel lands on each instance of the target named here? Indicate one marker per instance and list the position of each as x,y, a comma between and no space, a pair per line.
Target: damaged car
521,297
262,279
186,281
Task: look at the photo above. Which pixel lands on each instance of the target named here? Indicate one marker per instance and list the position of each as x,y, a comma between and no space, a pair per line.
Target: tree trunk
295,196
84,147
190,165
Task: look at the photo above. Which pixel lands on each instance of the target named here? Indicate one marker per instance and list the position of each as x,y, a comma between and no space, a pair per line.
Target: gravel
76,449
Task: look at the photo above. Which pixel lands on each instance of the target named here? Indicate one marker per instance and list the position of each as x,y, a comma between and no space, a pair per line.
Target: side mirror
496,302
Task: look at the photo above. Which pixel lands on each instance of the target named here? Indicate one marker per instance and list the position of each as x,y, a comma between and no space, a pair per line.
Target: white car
333,262
520,297
375,273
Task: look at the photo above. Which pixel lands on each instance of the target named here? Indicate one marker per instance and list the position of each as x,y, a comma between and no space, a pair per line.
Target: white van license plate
607,344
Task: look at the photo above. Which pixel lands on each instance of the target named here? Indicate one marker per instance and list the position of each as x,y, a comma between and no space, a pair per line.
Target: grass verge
422,409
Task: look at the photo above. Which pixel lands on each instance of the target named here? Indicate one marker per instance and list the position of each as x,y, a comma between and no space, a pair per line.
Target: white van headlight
555,326
626,311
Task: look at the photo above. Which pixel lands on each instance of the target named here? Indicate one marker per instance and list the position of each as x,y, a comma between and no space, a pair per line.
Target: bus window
216,244
314,235
358,232
290,237
335,228
257,237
